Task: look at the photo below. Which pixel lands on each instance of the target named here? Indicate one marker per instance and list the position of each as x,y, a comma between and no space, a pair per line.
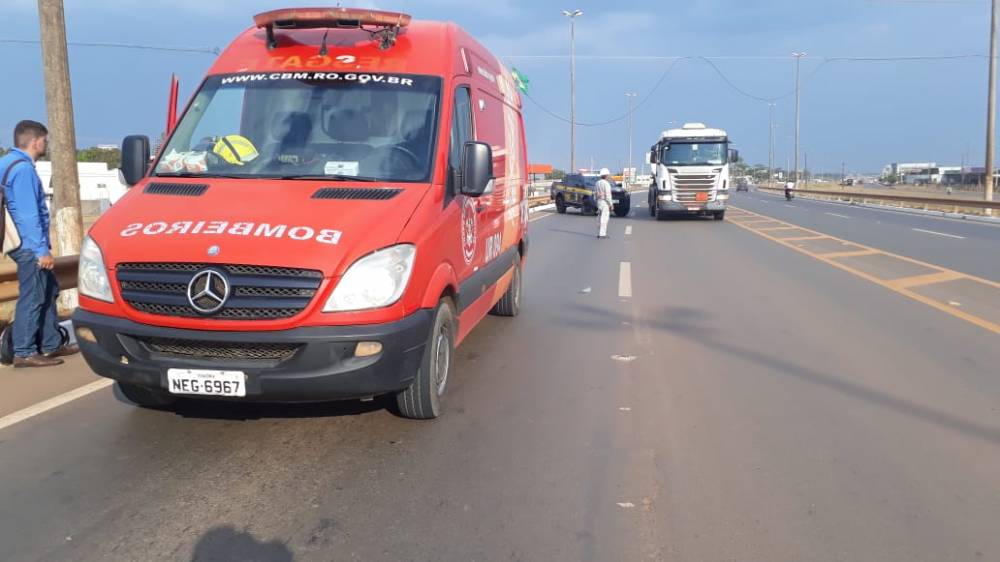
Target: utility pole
991,107
843,171
798,60
572,15
770,142
62,133
630,96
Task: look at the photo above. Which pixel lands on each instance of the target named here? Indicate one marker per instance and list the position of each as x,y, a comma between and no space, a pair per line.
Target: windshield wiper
331,177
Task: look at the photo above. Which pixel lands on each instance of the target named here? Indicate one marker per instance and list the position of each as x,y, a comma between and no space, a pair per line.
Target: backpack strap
6,174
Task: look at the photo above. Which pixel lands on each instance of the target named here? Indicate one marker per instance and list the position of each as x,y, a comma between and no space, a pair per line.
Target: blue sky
863,113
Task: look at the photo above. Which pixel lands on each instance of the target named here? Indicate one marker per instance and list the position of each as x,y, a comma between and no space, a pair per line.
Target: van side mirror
135,158
734,156
477,168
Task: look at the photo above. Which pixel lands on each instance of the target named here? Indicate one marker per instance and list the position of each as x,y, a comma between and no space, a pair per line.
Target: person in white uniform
602,194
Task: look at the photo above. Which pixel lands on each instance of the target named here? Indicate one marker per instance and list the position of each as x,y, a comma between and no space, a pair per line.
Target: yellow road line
803,238
770,228
943,274
928,279
852,254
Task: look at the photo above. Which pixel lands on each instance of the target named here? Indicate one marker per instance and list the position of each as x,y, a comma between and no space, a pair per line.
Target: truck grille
687,186
221,350
256,292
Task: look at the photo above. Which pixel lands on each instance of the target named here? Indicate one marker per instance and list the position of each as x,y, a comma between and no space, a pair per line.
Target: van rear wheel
422,400
510,304
560,204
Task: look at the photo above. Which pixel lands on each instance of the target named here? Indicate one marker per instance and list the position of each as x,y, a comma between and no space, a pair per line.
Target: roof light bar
388,23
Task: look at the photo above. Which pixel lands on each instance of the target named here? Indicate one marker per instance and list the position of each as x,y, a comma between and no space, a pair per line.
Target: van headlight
374,281
93,276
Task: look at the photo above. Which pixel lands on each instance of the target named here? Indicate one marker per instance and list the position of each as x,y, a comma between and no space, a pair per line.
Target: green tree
4,150
558,174
113,157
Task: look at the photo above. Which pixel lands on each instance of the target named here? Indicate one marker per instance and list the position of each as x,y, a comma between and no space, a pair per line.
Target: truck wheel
422,400
510,304
719,215
652,206
560,204
622,209
146,397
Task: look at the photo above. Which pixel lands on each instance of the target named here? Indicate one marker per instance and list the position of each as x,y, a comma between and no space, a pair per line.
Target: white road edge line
628,230
836,215
52,403
940,233
625,280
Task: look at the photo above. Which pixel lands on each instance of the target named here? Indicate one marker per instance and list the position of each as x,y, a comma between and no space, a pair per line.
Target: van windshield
326,125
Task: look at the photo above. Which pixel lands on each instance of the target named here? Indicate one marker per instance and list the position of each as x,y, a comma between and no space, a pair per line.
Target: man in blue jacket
37,341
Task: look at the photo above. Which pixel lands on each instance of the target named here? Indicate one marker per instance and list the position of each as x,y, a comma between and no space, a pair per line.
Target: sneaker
68,349
36,361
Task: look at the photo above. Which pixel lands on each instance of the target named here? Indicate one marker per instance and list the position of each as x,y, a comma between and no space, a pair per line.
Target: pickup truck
577,191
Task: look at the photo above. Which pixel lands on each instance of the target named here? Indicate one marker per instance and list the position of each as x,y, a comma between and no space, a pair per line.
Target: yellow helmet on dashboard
235,149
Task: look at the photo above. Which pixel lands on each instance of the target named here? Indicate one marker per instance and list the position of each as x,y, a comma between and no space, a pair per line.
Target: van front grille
256,292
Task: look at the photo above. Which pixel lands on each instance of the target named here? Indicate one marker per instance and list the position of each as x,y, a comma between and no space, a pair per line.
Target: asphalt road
968,246
721,397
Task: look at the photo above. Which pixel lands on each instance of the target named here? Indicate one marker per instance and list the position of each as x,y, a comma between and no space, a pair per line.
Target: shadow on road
225,544
690,324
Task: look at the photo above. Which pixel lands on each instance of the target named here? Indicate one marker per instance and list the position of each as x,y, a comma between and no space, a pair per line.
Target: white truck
691,172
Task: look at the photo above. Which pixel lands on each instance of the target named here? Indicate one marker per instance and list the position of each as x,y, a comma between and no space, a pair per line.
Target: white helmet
605,172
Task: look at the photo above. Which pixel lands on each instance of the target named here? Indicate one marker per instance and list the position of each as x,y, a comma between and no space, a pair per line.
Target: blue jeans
36,322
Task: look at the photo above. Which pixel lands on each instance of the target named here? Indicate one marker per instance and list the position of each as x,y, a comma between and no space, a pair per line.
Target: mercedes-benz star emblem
208,291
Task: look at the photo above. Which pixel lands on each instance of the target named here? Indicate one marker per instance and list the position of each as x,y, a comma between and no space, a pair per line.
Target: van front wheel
422,400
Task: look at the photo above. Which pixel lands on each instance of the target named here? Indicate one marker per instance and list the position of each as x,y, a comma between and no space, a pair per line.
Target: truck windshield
337,126
694,154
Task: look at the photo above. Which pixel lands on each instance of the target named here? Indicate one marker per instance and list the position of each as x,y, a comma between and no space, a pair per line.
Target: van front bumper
298,365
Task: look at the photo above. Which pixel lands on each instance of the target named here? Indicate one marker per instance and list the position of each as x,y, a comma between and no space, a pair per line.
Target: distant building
97,182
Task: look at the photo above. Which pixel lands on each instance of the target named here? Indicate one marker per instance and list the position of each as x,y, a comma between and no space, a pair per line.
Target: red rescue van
341,202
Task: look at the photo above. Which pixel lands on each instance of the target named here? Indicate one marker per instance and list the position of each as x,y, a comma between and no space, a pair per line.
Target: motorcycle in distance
789,189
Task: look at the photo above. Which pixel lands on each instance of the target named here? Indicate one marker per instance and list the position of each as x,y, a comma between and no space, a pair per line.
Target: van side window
461,127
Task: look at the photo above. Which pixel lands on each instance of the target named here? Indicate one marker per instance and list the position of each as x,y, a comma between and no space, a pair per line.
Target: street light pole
630,96
798,59
991,108
770,143
572,15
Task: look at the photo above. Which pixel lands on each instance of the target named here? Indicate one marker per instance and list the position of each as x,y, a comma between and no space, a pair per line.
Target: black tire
719,215
622,209
652,205
510,304
422,400
146,397
64,335
560,204
7,345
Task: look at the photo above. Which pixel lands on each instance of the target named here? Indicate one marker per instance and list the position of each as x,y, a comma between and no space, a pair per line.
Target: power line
204,50
645,99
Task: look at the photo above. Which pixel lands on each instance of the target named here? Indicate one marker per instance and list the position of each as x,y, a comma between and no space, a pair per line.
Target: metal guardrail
925,201
66,266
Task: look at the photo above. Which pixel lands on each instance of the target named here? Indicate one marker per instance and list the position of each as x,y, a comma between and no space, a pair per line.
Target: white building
97,182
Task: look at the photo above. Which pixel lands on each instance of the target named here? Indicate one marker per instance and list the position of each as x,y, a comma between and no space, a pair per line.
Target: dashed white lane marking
625,409
626,505
628,230
939,233
51,403
839,216
625,280
791,206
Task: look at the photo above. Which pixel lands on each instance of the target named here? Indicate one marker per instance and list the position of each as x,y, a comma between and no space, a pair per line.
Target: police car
577,191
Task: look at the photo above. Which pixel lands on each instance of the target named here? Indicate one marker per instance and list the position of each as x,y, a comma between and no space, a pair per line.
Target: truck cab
691,172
